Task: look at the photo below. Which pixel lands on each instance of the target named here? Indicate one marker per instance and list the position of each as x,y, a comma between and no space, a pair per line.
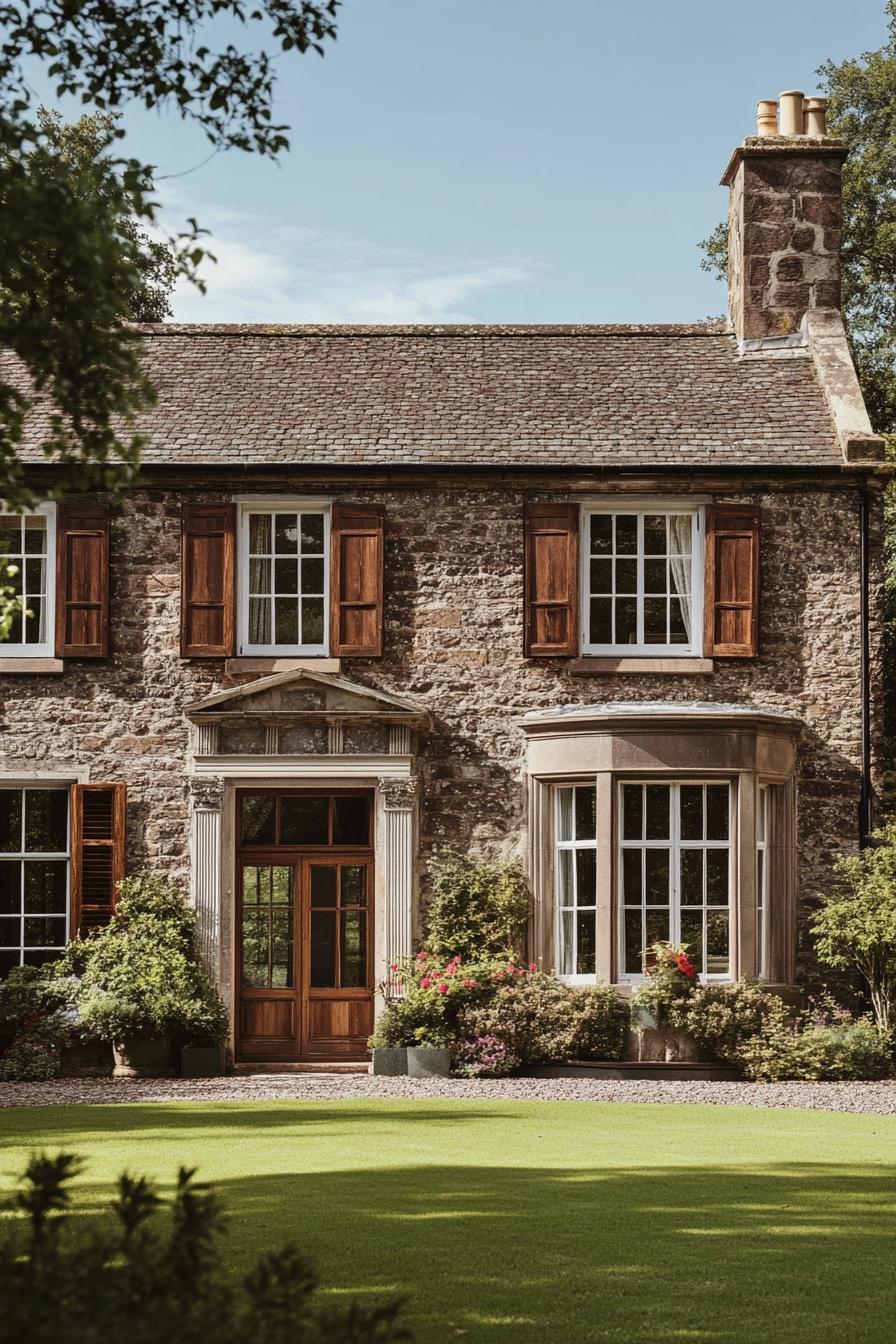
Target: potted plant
670,979
429,1056
142,986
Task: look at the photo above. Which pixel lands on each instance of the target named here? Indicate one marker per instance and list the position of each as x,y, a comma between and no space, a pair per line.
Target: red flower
499,975
421,956
533,966
425,982
443,988
393,966
469,984
685,965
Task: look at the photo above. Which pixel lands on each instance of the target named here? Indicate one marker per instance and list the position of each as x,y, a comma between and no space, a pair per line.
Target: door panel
267,955
339,1011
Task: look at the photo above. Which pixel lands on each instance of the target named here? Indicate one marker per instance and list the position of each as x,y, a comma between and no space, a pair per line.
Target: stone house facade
605,598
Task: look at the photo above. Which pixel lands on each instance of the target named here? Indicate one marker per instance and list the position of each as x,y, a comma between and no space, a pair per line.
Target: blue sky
497,160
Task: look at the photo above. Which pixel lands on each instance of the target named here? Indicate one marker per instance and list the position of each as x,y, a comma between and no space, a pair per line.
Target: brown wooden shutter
98,848
208,580
356,581
552,580
82,580
731,619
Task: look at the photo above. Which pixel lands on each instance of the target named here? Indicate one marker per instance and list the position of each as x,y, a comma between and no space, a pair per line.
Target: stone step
322,1067
640,1071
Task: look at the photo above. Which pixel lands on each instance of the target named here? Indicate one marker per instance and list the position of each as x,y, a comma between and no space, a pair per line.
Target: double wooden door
304,926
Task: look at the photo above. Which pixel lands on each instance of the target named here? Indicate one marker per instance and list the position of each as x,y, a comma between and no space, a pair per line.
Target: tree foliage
861,96
156,1274
72,224
478,907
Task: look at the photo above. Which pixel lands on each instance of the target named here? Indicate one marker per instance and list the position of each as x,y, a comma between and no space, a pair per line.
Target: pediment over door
302,713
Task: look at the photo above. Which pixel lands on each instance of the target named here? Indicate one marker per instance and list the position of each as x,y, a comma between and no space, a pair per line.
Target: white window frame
290,505
698,546
763,817
23,856
575,977
675,844
47,647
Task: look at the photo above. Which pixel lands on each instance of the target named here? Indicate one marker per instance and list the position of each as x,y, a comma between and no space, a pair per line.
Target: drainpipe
866,819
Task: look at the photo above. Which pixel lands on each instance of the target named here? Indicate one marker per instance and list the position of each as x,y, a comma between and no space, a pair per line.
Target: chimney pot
791,105
816,117
767,116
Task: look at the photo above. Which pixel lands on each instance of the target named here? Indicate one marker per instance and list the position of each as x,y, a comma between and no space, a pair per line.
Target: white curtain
680,528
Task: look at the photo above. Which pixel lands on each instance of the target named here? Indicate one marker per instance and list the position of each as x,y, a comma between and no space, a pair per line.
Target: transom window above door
642,581
305,820
284,579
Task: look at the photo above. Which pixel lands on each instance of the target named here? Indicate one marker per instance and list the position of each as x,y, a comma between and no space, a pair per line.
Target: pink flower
469,984
507,992
533,966
393,966
450,969
499,975
425,982
421,956
443,988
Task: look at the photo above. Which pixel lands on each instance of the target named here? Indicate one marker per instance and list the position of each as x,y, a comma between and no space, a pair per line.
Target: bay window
576,881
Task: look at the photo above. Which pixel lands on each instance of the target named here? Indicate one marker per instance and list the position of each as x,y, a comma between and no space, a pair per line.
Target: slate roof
584,396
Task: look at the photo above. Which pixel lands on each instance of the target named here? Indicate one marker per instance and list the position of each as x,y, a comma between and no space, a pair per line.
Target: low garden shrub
482,1057
670,980
157,1273
37,1022
542,1020
141,975
478,907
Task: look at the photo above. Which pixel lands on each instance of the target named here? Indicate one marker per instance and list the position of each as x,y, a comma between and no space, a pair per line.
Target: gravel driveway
866,1098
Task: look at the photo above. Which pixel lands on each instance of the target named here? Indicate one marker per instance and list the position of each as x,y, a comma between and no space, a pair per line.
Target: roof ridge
422,329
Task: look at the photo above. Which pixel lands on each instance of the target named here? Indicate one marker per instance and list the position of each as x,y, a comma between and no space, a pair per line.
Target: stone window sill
240,667
32,666
591,667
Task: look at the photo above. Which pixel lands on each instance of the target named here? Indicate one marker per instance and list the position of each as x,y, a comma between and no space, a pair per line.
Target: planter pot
642,1017
87,1059
661,1045
424,1062
390,1061
142,1057
202,1061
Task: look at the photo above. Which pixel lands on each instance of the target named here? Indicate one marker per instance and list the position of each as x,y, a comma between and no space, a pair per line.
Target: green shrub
723,1017
140,975
855,928
670,981
149,1281
478,907
437,992
36,1021
541,1020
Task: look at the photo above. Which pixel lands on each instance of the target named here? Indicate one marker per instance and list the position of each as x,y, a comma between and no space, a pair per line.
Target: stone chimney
784,220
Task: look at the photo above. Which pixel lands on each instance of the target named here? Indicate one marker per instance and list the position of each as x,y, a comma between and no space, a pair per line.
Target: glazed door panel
268,1022
338,1008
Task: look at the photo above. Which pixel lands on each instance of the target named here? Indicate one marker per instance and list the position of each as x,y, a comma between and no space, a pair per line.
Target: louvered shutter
98,850
732,581
82,580
208,580
356,581
551,580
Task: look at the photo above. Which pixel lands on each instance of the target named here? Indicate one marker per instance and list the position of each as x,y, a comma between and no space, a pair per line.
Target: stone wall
453,641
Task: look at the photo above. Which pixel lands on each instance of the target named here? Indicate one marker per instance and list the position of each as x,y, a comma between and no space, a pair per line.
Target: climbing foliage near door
478,907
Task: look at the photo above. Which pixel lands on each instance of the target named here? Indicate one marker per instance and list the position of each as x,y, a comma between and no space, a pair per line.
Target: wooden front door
304,925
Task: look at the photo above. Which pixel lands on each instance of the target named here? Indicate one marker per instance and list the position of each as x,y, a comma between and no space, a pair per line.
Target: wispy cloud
291,274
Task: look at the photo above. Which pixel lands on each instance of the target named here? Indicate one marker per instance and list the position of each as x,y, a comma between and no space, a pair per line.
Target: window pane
259,576
717,811
35,626
691,880
657,812
632,957
42,932
586,822
34,577
10,821
286,621
655,534
39,956
250,886
351,821
657,926
258,815
286,533
565,813
586,877
586,938
312,576
601,533
10,931
692,935
323,884
281,949
304,821
678,631
353,951
601,576
655,620
7,961
566,893
656,886
566,961
655,576
626,534
10,887
632,811
35,534
626,620
259,620
46,888
626,576
691,811
46,821
312,534
260,533
680,531
601,625
323,949
352,885
286,576
632,867
717,942
256,945
313,621
717,876
281,886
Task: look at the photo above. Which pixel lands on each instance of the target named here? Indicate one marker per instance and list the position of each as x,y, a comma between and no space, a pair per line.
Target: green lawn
537,1221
